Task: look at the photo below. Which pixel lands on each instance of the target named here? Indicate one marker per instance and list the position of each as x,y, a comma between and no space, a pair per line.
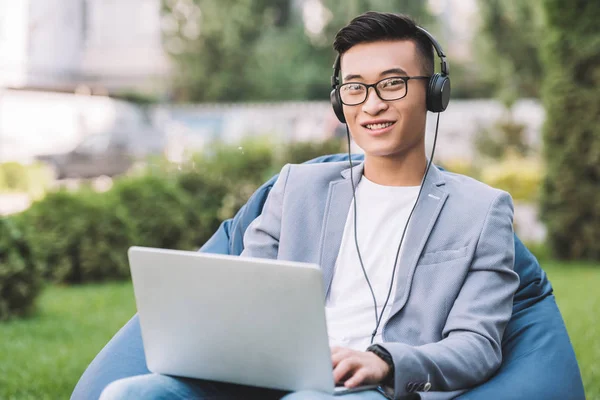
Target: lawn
44,356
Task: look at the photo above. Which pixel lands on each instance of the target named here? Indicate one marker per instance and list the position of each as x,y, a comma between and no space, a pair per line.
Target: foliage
34,179
20,273
505,137
508,47
157,209
300,152
212,42
460,166
78,237
521,177
83,236
240,169
206,202
252,50
571,97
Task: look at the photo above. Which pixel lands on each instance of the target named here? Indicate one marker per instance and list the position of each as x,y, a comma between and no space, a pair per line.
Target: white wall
60,44
55,44
13,42
123,41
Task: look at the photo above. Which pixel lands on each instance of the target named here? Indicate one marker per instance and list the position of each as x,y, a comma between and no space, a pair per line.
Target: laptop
226,318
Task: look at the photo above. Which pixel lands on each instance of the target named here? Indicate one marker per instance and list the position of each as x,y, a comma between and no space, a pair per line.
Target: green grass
577,291
44,356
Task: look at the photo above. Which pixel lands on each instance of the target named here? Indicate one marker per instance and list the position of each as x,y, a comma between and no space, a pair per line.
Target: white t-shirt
382,212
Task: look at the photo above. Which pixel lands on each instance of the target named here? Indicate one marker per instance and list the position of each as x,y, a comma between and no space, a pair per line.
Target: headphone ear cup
438,93
336,103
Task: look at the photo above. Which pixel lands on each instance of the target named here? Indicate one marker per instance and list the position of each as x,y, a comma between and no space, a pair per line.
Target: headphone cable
378,317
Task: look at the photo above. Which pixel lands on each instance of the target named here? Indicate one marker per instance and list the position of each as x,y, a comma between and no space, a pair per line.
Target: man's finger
339,356
358,378
344,369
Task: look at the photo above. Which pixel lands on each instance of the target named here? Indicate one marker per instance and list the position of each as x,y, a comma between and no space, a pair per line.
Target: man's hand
357,367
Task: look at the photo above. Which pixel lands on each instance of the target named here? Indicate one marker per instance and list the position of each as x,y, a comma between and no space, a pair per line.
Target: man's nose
373,104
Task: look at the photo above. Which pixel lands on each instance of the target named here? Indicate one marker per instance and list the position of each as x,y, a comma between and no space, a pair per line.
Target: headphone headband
444,66
438,89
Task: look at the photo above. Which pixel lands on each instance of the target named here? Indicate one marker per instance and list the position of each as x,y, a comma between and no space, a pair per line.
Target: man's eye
393,84
354,88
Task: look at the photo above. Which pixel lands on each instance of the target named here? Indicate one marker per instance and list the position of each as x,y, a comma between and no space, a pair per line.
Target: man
412,304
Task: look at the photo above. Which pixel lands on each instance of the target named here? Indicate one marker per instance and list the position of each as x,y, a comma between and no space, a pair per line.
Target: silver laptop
234,319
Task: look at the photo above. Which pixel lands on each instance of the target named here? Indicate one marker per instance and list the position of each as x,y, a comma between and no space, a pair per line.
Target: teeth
379,126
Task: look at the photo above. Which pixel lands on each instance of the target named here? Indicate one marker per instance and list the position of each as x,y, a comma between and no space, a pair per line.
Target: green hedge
83,236
34,179
78,236
20,272
571,96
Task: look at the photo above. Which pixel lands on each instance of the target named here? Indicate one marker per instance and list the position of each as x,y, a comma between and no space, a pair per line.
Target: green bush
521,177
207,198
299,152
157,209
34,179
84,235
241,169
20,273
461,166
79,236
504,138
570,204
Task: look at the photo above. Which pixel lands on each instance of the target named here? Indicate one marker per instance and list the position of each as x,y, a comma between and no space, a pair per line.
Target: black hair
377,26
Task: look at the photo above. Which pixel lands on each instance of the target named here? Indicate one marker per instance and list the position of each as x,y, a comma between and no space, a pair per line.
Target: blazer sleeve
470,350
261,239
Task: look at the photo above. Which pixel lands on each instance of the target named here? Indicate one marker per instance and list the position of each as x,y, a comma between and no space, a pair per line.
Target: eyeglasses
388,89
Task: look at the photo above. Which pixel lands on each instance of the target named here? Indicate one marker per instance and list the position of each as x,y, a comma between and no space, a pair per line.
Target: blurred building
95,45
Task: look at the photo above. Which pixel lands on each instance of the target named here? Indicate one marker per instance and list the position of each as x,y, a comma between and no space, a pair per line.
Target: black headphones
438,90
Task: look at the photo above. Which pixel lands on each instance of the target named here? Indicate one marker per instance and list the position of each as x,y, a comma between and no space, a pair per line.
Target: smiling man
417,262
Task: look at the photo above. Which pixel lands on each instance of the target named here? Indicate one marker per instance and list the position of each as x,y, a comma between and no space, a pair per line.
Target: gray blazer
455,278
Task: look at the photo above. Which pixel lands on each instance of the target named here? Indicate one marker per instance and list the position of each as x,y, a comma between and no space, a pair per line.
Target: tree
248,50
508,47
211,43
571,96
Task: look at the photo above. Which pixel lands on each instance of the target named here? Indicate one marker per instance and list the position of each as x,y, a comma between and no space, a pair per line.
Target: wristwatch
382,353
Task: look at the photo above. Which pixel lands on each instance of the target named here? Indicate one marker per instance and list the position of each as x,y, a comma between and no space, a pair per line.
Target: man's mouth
379,126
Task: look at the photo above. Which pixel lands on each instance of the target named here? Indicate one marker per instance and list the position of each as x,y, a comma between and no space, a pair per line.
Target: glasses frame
374,86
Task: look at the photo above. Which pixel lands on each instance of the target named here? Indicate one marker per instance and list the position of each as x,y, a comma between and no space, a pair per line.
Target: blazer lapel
337,207
430,203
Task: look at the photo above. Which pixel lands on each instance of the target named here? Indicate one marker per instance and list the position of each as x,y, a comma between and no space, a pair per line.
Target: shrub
571,97
460,166
79,236
158,210
504,137
34,179
207,202
299,152
20,273
520,177
83,236
241,169
250,161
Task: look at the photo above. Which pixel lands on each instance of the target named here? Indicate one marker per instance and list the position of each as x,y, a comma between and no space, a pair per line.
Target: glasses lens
353,93
388,89
392,88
